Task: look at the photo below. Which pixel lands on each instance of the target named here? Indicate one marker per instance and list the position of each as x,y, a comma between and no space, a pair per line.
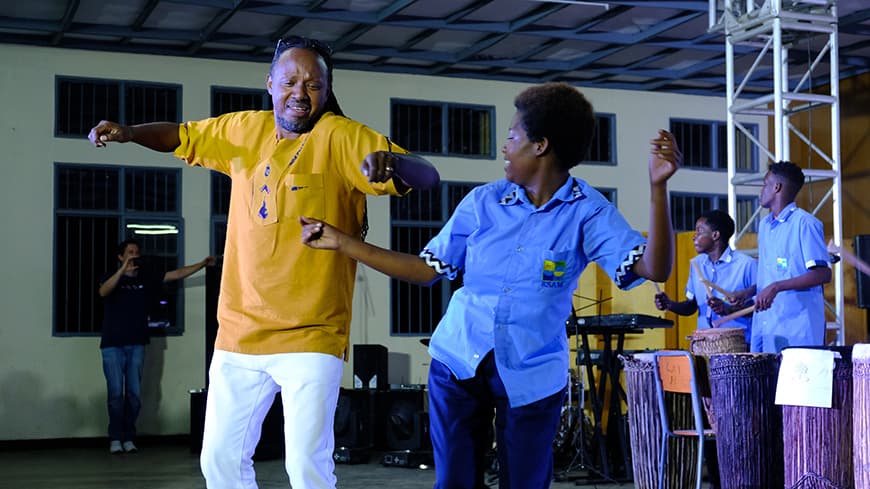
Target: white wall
53,387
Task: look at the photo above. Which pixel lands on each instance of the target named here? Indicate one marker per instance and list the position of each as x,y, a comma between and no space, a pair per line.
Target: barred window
705,146
687,207
231,99
608,193
603,148
96,208
82,103
415,219
225,100
443,128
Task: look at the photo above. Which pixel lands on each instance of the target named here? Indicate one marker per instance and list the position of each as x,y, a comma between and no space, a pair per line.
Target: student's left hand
665,157
320,235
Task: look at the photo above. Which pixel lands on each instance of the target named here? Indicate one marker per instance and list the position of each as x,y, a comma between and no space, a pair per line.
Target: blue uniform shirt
733,271
789,246
521,266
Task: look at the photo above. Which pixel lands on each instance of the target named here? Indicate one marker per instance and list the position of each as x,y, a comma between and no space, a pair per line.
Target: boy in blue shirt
729,269
522,243
793,264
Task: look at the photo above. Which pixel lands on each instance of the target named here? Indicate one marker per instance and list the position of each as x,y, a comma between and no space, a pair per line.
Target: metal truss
770,29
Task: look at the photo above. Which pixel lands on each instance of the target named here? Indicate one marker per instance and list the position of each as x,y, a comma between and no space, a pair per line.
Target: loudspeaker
197,419
354,423
370,367
862,251
406,420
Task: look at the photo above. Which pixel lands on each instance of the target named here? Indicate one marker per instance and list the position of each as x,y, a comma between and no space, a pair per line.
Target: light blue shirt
521,266
733,271
789,246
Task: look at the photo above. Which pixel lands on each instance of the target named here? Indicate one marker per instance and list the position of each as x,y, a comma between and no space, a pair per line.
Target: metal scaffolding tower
769,29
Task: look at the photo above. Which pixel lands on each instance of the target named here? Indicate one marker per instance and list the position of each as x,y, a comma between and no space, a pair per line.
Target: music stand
581,461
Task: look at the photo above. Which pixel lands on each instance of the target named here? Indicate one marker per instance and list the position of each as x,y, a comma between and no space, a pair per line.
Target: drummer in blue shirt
793,264
522,242
729,269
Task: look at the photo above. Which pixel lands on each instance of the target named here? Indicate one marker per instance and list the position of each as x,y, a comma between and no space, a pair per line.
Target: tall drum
817,440
645,428
712,341
749,435
861,414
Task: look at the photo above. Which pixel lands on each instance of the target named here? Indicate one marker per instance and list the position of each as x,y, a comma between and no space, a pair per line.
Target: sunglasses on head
303,42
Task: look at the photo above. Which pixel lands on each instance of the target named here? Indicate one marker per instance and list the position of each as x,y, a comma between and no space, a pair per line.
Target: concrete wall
53,387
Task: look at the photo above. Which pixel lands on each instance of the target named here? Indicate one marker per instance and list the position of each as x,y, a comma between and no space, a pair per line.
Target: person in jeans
127,294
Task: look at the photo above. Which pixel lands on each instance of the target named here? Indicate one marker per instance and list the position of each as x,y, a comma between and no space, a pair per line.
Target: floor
161,465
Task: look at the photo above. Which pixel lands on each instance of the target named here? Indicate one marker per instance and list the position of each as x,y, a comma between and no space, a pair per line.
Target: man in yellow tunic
284,309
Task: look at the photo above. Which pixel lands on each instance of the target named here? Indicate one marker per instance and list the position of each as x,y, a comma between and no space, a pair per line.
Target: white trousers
241,391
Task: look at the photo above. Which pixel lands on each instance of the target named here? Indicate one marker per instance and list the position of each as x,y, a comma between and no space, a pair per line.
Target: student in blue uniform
793,264
521,243
729,269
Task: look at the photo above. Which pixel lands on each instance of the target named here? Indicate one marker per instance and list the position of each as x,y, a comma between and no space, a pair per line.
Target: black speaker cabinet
370,367
355,423
862,251
406,420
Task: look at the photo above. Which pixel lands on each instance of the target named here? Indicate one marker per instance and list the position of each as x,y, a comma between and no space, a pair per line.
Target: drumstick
848,257
733,315
658,289
711,286
703,278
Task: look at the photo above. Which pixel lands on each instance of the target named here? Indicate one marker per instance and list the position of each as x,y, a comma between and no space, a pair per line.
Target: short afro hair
720,221
559,112
790,174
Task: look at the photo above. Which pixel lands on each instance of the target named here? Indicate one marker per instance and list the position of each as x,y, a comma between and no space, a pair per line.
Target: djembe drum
749,434
645,428
711,341
861,414
818,440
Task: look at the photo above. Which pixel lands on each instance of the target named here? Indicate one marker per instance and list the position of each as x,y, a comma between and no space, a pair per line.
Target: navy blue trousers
461,421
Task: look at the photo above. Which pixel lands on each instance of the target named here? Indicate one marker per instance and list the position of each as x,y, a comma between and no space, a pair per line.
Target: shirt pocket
557,270
304,195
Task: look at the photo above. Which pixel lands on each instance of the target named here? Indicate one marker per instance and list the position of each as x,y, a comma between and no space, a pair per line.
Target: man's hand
209,261
107,131
129,264
665,158
379,166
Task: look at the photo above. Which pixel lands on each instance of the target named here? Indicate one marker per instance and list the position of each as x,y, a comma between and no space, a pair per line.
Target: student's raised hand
665,157
320,235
